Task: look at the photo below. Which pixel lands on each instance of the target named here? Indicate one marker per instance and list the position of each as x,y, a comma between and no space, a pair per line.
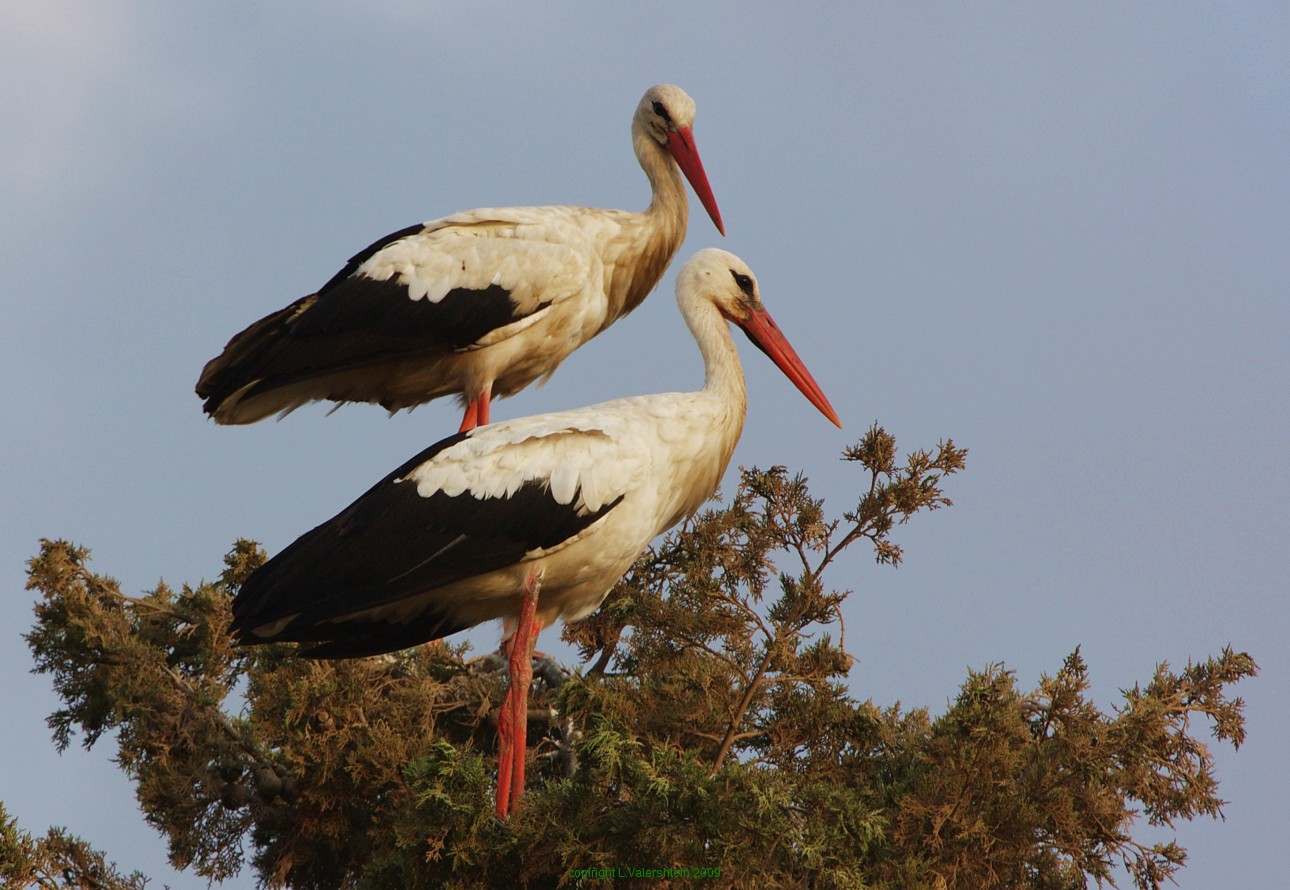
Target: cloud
84,85
54,61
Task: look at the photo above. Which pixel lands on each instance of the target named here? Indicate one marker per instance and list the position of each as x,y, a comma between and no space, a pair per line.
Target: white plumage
536,517
478,304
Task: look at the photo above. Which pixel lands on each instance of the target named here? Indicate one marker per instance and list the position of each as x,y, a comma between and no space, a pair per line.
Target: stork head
722,279
666,113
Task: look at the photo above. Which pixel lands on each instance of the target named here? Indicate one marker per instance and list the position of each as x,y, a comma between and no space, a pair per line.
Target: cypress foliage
709,727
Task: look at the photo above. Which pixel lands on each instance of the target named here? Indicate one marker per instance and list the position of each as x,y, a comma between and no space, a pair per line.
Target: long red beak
680,144
766,336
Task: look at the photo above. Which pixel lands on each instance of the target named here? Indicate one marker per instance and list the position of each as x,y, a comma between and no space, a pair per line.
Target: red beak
680,144
766,336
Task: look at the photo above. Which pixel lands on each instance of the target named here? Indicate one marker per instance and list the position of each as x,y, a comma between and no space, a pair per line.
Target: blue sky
1058,236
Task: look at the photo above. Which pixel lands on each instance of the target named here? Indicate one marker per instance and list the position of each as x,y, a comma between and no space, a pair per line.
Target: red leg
468,422
523,682
476,412
505,747
512,721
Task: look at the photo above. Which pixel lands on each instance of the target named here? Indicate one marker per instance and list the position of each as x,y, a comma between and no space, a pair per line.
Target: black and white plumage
479,304
544,512
431,549
445,540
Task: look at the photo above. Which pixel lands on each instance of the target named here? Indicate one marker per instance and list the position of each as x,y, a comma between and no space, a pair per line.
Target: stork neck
646,242
723,374
669,209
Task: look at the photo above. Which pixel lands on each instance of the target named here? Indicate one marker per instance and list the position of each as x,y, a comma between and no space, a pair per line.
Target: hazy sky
1059,237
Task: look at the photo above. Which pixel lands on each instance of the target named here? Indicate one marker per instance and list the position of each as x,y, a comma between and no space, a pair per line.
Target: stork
526,520
479,304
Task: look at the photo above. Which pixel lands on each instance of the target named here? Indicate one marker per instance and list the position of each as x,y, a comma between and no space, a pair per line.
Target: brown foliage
711,726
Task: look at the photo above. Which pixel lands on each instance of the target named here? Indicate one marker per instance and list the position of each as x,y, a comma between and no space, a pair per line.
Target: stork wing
363,582
454,284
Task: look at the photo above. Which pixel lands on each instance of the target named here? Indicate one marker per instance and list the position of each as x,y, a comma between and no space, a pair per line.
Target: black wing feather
353,322
392,544
370,251
382,311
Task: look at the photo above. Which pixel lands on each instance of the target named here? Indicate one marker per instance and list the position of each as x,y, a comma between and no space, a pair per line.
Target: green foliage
710,727
56,860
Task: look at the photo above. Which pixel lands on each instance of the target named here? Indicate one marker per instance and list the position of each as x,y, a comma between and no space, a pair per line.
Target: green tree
710,725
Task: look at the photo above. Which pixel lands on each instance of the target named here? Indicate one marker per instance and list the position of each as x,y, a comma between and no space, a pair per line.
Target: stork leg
468,422
476,412
513,719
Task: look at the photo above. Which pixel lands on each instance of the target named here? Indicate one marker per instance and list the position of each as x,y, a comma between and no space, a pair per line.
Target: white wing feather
474,250
595,456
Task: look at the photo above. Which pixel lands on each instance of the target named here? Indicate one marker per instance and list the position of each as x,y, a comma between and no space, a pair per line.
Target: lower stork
528,520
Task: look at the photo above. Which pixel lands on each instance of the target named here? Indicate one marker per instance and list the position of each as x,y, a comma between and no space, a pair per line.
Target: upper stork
479,304
526,520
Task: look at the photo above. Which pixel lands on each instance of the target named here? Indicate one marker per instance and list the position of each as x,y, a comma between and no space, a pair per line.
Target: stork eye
661,110
745,283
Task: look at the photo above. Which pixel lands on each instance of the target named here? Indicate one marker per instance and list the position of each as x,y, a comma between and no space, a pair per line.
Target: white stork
527,520
479,304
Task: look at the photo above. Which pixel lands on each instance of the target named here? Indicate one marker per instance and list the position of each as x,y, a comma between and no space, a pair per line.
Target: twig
744,704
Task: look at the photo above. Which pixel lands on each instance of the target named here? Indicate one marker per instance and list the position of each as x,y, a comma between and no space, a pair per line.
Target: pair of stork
526,520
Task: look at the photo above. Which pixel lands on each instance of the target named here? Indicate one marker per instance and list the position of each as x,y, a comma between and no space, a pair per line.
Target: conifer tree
709,726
